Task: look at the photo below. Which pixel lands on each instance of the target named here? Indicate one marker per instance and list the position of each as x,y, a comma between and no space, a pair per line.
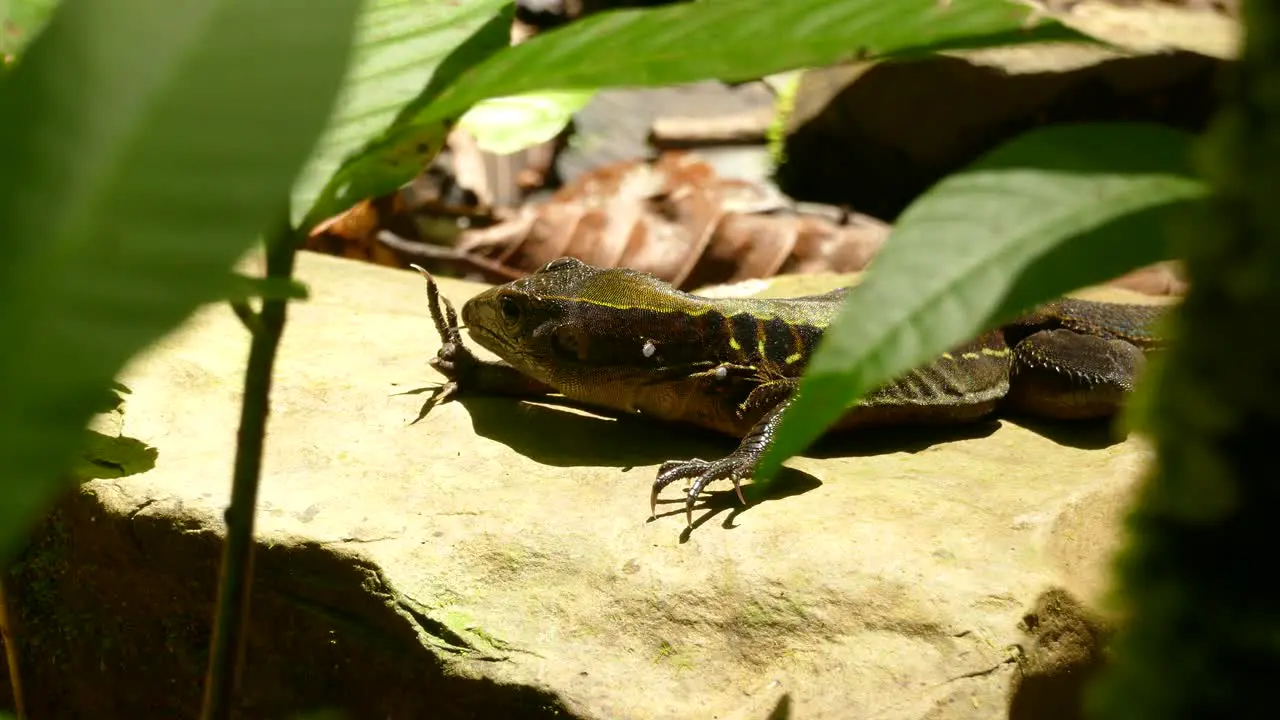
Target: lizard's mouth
478,317
490,341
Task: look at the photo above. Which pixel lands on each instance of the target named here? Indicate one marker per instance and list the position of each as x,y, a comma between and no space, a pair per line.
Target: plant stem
247,316
235,579
1201,636
10,637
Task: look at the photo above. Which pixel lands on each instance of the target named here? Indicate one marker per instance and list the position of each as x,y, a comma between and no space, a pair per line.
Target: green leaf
20,20
145,144
110,398
406,54
1046,213
740,40
725,39
510,124
245,287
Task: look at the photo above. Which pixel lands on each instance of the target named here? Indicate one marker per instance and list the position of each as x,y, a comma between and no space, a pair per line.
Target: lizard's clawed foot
464,372
453,360
733,467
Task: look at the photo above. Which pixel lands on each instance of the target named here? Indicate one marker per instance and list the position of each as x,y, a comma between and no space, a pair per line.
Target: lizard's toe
446,361
671,471
725,469
703,473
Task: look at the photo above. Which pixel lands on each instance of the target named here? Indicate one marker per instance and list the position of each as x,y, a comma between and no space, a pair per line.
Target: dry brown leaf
677,219
674,218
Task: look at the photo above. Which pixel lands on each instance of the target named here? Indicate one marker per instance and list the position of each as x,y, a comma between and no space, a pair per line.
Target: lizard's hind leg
1063,374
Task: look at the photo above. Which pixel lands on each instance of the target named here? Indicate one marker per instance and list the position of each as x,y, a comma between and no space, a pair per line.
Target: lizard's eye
510,309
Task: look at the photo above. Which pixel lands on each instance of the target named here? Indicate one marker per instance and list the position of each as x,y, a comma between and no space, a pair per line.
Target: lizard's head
570,323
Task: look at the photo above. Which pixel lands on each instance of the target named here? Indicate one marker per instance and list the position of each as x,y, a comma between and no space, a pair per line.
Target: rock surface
496,559
873,135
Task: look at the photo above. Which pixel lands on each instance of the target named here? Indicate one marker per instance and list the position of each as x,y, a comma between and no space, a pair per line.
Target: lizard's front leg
737,465
463,371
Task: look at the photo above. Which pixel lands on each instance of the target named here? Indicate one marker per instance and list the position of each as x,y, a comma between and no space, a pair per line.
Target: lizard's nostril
471,313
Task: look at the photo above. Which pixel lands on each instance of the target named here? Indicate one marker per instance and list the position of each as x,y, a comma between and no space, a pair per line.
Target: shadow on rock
563,436
115,616
1080,434
107,456
1063,650
863,442
711,502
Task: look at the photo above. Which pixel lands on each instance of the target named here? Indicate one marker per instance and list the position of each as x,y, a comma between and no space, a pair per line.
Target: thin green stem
10,637
247,316
235,580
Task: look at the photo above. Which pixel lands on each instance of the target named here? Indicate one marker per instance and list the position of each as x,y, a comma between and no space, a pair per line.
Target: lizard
625,341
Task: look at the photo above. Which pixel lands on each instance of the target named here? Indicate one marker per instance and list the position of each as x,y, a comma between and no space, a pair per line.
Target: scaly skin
625,341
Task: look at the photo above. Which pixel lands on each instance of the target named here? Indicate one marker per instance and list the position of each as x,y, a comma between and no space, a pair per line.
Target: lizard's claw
443,315
463,371
733,467
453,360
